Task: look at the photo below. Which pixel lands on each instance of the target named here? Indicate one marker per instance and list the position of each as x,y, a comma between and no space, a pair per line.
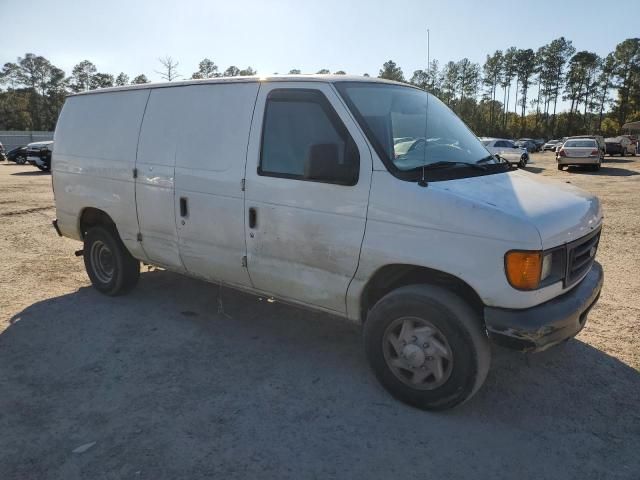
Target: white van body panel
155,184
210,164
464,227
560,212
96,139
307,241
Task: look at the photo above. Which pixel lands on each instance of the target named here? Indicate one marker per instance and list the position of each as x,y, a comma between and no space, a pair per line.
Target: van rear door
210,163
307,189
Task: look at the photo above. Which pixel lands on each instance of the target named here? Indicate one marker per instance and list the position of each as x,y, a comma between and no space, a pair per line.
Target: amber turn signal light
523,269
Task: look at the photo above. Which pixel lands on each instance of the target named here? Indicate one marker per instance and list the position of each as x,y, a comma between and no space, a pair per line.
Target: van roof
251,79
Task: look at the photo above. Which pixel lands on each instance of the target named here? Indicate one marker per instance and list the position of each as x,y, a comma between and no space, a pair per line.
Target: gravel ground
183,379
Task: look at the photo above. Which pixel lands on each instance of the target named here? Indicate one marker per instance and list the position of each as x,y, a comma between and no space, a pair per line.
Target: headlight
545,271
523,269
528,270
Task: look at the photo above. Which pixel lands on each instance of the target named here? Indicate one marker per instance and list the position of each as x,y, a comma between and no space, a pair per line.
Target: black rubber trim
55,225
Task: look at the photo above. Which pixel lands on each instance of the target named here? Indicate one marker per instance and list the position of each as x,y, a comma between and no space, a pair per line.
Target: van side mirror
323,165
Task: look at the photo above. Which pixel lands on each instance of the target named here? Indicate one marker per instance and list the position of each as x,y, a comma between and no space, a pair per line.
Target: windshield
411,129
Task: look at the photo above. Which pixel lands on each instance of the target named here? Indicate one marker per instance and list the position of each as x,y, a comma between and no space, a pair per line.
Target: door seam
135,166
244,191
366,217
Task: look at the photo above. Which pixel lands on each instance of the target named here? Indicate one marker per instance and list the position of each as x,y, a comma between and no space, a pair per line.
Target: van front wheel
111,268
427,347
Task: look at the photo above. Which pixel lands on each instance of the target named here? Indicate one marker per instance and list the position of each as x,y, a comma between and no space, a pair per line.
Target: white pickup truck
359,197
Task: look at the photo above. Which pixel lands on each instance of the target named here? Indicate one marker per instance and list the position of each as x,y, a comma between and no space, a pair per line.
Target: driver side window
304,139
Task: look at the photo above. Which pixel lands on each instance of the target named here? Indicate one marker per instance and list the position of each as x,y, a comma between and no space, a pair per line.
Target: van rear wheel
427,347
111,268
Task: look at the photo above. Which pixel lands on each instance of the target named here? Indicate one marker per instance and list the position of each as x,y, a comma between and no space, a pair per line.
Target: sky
278,35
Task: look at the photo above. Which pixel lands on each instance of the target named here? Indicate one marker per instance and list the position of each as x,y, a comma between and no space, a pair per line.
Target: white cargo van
292,187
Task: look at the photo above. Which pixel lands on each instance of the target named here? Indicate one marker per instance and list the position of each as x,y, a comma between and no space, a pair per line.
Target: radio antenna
423,181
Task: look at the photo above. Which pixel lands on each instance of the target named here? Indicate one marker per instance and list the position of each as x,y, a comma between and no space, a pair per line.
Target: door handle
253,217
184,210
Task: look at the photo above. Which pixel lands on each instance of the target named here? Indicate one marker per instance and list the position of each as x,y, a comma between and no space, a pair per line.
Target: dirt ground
182,379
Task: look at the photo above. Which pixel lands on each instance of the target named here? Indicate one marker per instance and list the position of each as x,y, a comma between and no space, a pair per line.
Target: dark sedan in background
18,155
527,143
39,154
551,145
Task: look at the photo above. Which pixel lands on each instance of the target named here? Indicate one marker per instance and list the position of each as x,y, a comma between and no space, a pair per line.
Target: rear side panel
93,160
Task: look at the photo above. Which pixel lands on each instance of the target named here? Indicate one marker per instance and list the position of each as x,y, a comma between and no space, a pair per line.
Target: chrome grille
580,256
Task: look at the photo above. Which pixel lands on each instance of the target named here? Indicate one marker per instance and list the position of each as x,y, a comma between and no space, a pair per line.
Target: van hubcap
102,261
417,353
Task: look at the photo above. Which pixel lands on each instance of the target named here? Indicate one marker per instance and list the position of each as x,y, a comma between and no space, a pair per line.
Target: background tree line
515,93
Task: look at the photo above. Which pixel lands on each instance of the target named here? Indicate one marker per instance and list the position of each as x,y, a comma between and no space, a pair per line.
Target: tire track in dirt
25,212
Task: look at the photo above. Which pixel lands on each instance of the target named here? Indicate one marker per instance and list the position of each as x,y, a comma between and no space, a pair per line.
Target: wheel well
391,277
92,217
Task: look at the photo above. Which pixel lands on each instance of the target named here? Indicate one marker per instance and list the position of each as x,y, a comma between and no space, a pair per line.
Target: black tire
112,271
596,167
623,153
523,162
560,167
44,168
455,321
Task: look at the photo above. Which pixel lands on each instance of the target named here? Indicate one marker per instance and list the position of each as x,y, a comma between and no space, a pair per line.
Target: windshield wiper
488,158
448,164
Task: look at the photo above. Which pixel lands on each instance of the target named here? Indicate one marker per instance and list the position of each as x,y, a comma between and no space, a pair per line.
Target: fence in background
13,139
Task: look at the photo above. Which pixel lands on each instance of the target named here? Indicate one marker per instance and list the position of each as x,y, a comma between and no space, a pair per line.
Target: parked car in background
539,143
559,145
507,150
634,142
620,145
3,156
550,145
527,143
580,151
18,155
39,154
599,140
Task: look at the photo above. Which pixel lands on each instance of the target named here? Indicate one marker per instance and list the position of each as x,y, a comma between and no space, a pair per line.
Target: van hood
559,211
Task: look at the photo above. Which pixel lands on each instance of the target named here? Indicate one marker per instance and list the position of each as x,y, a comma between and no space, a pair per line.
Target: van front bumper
540,327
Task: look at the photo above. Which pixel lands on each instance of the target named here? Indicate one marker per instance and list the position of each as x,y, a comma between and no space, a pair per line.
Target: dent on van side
363,198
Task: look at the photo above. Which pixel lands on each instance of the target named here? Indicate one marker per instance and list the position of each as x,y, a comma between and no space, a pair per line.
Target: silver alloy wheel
417,353
102,261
